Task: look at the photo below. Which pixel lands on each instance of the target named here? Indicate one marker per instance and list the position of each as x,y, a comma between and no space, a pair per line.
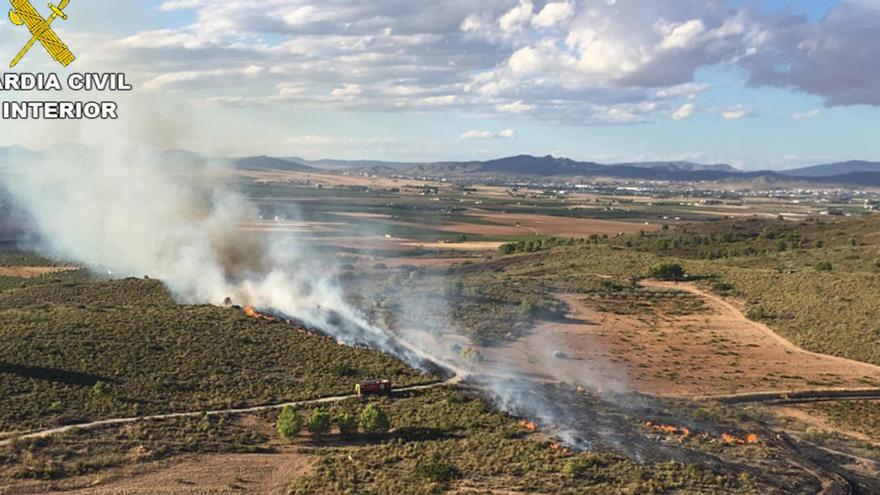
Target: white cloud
680,36
554,60
472,23
514,107
687,90
553,14
684,112
517,17
736,113
809,114
480,134
347,91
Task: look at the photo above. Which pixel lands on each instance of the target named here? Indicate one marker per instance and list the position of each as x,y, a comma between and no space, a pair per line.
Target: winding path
255,409
780,396
733,311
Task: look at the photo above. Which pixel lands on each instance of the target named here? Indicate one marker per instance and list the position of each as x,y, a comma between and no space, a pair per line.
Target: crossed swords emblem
41,30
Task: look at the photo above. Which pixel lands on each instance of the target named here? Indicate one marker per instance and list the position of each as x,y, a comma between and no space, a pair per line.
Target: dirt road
119,421
738,315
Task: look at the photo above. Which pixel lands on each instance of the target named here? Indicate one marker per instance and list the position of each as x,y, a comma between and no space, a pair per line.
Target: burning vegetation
529,425
684,432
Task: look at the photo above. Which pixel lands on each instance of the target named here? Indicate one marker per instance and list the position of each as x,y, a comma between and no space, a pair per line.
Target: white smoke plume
131,211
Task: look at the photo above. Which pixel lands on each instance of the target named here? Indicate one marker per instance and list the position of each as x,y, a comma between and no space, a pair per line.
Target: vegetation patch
79,351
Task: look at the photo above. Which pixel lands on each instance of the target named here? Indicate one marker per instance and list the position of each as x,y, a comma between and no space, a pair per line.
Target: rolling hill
832,169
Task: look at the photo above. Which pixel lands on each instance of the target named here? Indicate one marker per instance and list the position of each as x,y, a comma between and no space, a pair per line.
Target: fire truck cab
373,387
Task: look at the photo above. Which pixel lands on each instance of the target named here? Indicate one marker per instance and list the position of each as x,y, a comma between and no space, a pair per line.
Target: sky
754,83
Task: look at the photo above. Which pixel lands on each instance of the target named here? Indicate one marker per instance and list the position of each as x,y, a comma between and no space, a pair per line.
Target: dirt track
715,352
738,315
798,396
246,410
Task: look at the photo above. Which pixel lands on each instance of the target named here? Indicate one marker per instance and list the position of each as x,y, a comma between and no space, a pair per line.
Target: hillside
835,169
77,349
269,163
815,282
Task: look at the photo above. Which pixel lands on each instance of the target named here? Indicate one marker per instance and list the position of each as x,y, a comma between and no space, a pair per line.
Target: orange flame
729,439
685,432
253,313
668,429
528,425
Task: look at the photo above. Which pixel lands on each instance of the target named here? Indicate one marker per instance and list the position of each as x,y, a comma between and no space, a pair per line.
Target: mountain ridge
852,172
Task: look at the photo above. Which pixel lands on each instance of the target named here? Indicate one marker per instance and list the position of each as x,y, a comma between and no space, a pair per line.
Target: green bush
289,423
374,420
347,423
100,389
572,469
756,313
668,271
319,422
436,470
824,266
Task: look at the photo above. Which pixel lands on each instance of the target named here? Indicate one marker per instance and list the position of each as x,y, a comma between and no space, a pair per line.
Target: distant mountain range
832,169
859,173
853,173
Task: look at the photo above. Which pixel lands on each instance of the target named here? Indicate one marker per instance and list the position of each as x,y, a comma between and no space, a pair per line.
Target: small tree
289,423
572,469
319,422
668,271
374,420
347,423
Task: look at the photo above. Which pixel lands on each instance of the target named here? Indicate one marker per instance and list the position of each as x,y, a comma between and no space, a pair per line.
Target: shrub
289,423
572,469
756,313
319,422
471,355
824,266
374,420
100,389
507,249
668,271
347,423
343,370
437,471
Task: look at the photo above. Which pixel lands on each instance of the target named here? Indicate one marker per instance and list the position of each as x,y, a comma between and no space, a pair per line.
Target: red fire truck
373,387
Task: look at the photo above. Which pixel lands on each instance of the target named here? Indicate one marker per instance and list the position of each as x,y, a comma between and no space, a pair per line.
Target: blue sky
758,84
